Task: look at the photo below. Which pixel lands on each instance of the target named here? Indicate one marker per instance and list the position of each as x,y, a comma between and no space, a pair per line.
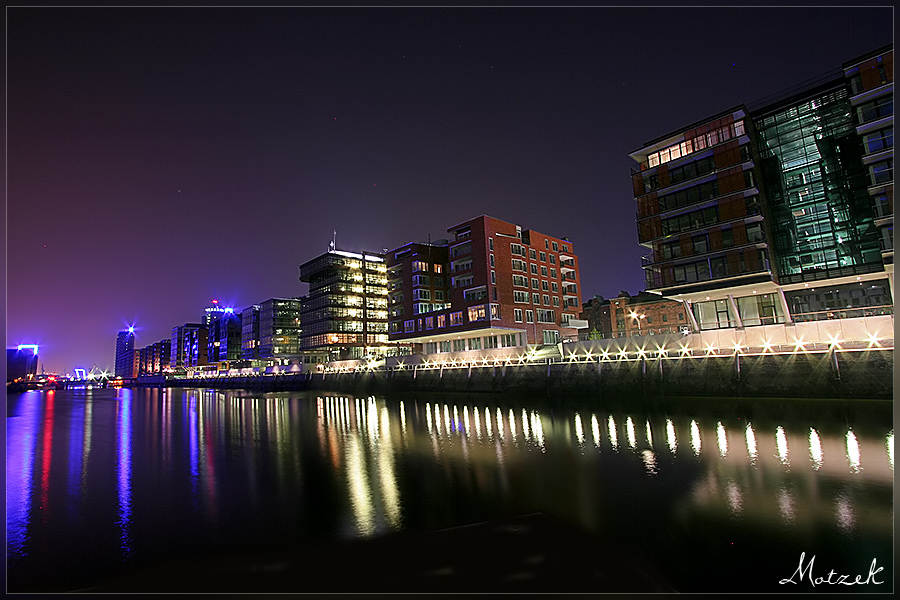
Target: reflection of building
345,312
21,362
493,286
126,359
628,316
769,215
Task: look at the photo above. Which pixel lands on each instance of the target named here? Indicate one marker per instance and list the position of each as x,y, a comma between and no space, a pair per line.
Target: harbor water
707,496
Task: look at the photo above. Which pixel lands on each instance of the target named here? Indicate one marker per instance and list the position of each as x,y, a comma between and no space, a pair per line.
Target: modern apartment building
223,336
769,215
493,285
184,345
345,312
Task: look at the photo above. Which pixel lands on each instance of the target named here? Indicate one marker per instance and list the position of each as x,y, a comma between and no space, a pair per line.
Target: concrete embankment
857,374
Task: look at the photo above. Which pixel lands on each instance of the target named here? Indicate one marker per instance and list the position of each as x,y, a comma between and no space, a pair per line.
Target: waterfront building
768,215
126,360
223,336
630,316
250,332
155,358
344,314
492,286
181,345
21,362
871,80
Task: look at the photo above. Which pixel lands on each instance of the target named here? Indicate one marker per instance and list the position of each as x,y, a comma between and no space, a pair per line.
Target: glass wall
816,187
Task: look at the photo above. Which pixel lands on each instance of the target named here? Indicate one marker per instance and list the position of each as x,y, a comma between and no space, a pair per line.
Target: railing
843,313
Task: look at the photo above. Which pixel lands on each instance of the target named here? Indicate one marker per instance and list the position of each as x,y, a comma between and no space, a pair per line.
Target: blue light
229,310
131,330
32,347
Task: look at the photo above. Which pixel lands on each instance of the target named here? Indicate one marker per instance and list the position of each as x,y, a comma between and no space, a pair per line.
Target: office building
223,336
126,360
492,285
250,332
769,215
182,346
21,362
345,311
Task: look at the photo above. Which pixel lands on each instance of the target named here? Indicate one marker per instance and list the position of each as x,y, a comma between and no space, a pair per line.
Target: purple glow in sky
162,157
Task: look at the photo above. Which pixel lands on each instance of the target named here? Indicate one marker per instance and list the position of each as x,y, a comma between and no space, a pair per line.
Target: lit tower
125,354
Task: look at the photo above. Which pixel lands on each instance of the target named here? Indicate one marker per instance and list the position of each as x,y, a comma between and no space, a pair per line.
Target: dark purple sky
162,157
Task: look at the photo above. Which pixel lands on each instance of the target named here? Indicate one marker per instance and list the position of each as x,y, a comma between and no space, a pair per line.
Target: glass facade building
777,213
346,310
279,328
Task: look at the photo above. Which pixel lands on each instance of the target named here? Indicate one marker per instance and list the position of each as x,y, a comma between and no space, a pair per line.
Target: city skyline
159,158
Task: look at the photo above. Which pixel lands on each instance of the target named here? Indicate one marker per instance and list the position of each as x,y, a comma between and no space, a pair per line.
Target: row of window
507,340
716,136
473,313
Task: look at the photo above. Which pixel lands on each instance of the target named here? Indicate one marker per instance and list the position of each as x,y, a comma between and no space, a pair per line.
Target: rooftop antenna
334,240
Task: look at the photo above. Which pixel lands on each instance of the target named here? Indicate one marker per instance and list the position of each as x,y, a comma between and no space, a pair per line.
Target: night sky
158,158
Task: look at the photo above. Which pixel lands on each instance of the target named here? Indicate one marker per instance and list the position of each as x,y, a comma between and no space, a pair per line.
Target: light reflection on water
383,459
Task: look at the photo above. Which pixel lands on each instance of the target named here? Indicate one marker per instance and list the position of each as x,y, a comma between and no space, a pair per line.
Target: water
718,498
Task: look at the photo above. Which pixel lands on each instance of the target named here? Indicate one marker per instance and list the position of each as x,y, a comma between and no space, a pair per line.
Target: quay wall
866,374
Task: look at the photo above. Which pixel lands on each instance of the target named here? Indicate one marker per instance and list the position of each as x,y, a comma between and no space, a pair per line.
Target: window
429,322
555,246
755,232
698,271
409,326
491,342
535,284
529,316
532,254
535,298
421,280
493,277
517,312
495,311
456,318
492,260
671,249
491,243
478,293
546,316
475,344
421,294
882,172
444,346
439,295
418,265
534,269
727,238
546,244
509,340
420,325
545,285
517,249
459,345
543,257
477,313
441,321
520,296
520,281
880,140
543,270
700,244
552,272
555,300
552,259
519,265
554,286
437,269
546,300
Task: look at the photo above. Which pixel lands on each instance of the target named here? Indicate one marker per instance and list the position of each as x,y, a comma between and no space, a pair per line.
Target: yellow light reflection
853,451
786,505
613,438
428,417
358,487
722,439
512,424
649,459
629,429
670,436
889,442
466,420
477,422
595,429
487,423
579,432
499,423
649,435
815,449
751,444
446,420
781,443
695,438
538,428
525,425
735,497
